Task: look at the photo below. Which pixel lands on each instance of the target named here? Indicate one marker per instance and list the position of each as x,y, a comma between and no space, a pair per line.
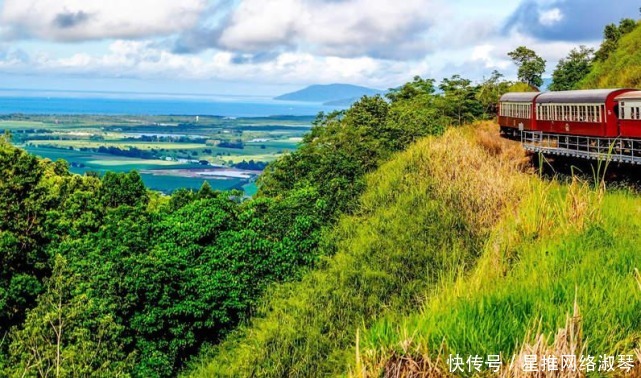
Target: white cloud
77,20
144,60
347,28
550,17
483,54
377,43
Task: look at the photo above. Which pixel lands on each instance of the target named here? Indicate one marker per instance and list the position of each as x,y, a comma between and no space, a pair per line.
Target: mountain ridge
329,93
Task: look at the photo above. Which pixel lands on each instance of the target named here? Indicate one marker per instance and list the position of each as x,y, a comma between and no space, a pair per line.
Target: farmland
170,152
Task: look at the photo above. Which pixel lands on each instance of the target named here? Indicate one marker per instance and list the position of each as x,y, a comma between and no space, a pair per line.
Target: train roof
633,95
519,96
579,96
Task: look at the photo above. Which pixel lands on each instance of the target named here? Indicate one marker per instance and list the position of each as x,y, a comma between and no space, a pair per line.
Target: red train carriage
629,106
601,124
582,112
516,112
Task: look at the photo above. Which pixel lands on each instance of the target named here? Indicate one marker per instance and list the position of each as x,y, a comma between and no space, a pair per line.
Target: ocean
107,103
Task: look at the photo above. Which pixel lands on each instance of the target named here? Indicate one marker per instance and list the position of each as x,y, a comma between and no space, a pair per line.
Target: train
591,124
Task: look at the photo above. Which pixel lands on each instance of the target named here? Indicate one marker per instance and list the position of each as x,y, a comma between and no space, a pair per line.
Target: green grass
77,131
527,283
103,162
125,144
17,125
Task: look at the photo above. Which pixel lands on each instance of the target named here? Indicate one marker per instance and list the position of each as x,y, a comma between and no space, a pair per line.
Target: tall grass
563,248
424,219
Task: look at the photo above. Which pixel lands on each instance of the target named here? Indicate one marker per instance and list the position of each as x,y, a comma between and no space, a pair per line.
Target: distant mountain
340,93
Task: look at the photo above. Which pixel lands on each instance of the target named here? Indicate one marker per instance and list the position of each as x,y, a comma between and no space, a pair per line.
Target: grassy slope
622,69
424,219
456,251
565,245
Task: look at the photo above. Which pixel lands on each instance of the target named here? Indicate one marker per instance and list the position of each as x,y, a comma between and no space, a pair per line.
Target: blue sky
266,47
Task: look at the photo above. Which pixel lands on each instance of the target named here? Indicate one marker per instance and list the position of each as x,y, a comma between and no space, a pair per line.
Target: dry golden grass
475,172
487,137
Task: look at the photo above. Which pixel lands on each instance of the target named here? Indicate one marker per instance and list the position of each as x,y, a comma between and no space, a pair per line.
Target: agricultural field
166,150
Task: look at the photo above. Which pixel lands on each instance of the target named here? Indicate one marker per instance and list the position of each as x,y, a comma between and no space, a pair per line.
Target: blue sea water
15,101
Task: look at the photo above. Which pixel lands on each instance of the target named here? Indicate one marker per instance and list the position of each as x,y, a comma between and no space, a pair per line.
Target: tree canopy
572,69
530,65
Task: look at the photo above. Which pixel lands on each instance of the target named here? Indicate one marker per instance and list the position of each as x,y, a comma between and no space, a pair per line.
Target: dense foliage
572,69
102,277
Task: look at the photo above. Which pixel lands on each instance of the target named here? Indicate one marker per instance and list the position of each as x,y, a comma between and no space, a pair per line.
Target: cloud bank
78,20
379,43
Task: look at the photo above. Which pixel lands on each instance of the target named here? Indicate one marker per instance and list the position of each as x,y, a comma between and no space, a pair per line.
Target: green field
124,143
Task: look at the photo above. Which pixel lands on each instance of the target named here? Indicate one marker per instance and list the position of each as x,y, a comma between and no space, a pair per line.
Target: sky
269,47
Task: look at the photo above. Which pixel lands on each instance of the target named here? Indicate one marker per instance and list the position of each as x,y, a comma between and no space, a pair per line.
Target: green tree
206,191
490,91
123,189
66,334
334,156
24,202
460,103
531,66
418,86
572,69
611,36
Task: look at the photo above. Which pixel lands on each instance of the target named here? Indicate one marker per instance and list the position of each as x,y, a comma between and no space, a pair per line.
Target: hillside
444,258
331,93
622,68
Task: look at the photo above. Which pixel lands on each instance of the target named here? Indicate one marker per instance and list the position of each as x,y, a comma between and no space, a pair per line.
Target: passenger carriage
629,109
516,112
581,112
591,124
